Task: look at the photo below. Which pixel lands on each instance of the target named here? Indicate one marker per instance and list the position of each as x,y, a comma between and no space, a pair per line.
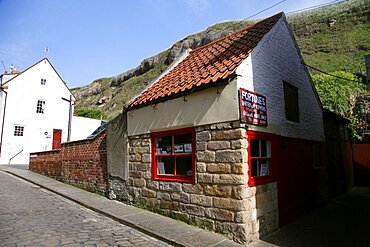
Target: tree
90,113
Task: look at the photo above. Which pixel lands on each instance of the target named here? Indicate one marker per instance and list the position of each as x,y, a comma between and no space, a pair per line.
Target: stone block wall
83,161
220,199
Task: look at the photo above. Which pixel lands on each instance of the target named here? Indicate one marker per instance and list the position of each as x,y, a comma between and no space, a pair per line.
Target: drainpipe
2,124
69,117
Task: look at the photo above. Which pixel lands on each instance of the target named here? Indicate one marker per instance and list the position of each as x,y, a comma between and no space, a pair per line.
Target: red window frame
253,181
174,177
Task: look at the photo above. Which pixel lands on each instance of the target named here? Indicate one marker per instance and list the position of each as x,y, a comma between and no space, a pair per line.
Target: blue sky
90,39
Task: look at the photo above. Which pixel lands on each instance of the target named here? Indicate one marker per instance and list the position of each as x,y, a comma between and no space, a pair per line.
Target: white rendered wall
273,60
82,127
211,105
23,93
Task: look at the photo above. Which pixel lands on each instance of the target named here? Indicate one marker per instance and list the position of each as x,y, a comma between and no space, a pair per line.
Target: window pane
185,138
265,148
18,130
182,143
183,165
164,145
165,165
40,106
254,168
255,148
264,168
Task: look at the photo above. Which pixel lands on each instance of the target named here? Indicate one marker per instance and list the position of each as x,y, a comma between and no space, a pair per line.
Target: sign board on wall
252,108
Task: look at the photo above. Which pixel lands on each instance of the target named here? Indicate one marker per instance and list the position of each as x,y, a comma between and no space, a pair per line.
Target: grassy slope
340,47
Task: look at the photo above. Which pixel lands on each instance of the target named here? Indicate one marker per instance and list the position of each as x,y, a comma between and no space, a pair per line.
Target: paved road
32,216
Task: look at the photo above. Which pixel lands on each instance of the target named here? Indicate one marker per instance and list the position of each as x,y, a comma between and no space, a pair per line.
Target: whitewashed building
35,113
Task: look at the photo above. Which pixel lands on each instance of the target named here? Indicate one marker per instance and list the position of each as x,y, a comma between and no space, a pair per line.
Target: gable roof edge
44,59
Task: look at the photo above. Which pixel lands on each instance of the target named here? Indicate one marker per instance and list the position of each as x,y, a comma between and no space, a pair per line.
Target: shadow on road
343,222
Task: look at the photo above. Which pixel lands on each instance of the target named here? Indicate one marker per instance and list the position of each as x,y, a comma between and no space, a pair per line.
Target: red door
57,139
295,179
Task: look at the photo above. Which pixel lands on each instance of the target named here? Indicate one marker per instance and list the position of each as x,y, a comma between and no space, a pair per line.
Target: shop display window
260,159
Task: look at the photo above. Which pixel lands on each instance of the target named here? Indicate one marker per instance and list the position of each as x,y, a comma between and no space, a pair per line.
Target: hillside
331,38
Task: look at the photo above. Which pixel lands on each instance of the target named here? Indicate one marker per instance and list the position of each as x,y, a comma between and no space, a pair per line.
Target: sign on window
252,108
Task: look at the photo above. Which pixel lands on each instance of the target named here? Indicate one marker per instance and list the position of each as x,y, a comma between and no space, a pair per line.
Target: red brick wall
79,161
47,163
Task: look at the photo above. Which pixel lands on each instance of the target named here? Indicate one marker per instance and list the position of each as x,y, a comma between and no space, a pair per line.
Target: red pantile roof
207,64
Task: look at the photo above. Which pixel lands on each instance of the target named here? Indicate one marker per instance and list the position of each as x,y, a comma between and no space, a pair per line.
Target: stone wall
83,161
220,199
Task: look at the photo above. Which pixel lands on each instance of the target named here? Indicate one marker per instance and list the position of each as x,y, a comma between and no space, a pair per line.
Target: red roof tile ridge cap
237,32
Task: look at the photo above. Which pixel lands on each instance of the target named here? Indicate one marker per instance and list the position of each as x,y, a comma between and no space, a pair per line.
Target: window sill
260,181
182,179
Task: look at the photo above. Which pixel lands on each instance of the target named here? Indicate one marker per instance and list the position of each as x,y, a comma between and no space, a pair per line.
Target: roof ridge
236,32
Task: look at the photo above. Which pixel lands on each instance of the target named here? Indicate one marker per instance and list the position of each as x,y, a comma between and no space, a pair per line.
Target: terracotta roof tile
206,64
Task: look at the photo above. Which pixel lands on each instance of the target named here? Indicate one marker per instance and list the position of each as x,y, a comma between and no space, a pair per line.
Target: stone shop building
227,138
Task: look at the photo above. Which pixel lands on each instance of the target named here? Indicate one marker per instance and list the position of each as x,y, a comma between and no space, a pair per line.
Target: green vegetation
340,96
340,46
91,113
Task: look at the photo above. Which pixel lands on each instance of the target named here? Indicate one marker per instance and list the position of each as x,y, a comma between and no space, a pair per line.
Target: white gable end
275,60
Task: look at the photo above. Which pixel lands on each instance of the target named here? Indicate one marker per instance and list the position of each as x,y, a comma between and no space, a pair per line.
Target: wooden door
295,180
57,139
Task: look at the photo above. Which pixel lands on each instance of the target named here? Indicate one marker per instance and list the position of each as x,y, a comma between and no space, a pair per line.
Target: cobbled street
32,216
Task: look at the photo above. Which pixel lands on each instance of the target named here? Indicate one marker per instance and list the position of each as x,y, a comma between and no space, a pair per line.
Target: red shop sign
252,108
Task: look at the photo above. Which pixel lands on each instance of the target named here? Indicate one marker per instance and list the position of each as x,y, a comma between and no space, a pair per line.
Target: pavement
343,222
168,230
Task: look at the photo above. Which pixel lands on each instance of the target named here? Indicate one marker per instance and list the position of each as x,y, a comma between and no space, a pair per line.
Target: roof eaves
137,105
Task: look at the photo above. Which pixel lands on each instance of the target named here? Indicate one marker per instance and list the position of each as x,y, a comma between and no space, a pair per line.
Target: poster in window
264,170
187,148
160,166
253,109
179,148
